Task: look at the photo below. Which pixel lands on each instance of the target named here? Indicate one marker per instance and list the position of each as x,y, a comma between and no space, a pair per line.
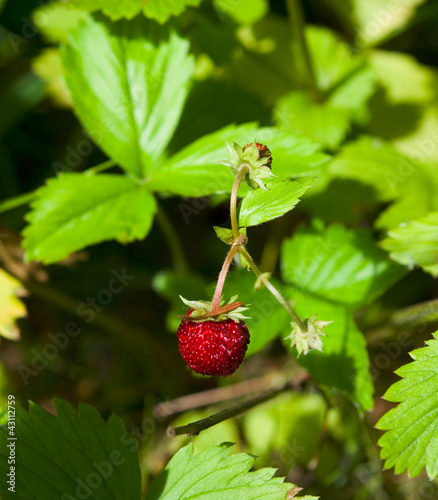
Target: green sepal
201,307
224,234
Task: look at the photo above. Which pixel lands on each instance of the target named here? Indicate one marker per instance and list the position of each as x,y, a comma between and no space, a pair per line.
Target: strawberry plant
218,242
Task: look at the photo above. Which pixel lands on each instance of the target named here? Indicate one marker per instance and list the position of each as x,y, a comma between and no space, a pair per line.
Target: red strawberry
213,347
263,152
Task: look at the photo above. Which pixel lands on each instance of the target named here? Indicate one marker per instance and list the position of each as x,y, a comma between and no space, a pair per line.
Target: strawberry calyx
201,310
309,338
255,158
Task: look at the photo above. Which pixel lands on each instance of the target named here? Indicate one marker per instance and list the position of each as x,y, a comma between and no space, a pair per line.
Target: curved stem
272,288
233,202
16,201
222,276
172,238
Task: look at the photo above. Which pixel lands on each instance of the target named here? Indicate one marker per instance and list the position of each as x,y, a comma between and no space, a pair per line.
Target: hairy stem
172,238
233,202
272,288
222,277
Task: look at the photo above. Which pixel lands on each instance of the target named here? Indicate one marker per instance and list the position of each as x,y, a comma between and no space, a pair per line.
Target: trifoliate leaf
128,94
73,455
415,243
337,264
155,9
411,438
11,307
261,206
215,474
73,211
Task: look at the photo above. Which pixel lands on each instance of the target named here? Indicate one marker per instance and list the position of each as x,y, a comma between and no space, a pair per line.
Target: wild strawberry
213,347
263,152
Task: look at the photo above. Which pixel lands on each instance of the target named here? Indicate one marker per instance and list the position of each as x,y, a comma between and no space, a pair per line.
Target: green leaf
405,112
345,82
243,11
47,65
339,265
128,94
224,234
260,206
411,440
376,163
344,363
11,307
416,199
195,171
155,9
290,426
333,60
390,67
70,456
76,210
299,114
376,20
214,473
267,318
55,19
415,243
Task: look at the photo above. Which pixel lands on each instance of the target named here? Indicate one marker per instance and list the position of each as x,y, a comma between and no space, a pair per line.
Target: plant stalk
194,428
223,274
233,201
176,249
296,19
272,289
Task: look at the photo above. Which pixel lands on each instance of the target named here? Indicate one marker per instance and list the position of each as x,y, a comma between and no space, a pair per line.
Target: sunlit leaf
415,243
411,438
337,264
129,94
71,455
73,211
155,9
214,473
260,206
